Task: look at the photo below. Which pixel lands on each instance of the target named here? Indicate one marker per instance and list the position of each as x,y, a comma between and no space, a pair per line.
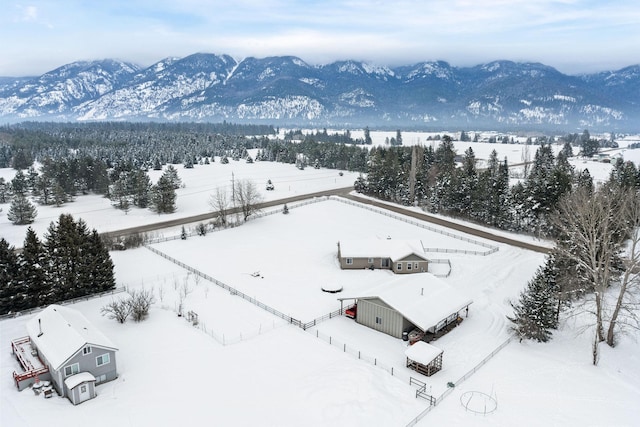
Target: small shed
424,358
80,387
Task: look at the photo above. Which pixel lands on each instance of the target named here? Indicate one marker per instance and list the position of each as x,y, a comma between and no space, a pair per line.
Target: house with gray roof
401,256
63,347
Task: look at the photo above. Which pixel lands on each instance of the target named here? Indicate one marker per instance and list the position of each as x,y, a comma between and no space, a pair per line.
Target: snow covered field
245,367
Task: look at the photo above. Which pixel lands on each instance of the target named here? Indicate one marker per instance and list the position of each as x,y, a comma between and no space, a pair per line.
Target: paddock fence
491,248
452,386
65,302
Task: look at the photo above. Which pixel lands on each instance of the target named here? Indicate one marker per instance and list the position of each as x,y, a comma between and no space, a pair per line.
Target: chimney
422,292
40,327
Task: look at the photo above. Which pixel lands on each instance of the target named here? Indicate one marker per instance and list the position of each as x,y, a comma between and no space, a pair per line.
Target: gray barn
403,303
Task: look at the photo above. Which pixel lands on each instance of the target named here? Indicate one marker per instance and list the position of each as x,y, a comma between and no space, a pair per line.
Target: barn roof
381,248
423,299
60,332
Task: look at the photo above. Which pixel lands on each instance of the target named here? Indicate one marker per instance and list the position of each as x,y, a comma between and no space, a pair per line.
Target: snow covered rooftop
77,379
60,332
381,248
423,298
422,352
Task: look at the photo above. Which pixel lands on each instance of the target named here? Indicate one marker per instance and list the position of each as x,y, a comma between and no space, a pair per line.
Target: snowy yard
273,373
242,366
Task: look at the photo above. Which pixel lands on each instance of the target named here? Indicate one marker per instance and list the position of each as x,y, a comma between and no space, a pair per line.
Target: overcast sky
574,36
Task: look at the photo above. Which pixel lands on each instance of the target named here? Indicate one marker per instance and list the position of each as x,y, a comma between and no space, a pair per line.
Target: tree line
72,261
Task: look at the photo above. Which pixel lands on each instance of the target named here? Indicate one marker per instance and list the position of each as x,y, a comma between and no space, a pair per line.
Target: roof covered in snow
422,352
75,380
423,299
60,332
381,248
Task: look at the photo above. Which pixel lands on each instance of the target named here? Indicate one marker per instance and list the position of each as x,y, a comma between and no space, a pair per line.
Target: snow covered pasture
242,366
193,198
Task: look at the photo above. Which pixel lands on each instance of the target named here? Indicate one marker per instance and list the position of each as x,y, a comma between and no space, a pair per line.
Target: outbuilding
401,304
424,358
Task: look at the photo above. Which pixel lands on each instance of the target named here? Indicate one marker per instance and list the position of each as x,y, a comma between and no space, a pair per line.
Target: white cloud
388,32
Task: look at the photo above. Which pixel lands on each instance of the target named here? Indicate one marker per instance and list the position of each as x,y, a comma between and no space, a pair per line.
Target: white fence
449,390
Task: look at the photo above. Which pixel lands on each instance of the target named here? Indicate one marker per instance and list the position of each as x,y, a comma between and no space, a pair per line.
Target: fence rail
449,390
192,231
254,301
65,302
492,249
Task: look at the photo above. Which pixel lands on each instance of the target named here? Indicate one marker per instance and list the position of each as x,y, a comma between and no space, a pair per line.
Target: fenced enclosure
449,390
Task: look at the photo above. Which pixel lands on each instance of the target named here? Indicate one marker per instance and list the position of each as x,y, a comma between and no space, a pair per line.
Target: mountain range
285,90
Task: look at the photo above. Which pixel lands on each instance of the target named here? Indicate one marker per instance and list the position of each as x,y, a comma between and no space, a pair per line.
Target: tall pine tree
535,312
33,278
10,294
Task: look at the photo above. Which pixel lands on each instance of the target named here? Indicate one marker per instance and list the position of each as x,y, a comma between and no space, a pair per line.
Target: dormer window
86,350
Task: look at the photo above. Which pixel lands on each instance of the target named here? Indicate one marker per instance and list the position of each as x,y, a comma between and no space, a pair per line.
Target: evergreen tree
19,185
78,263
99,264
62,247
535,312
163,195
119,195
367,136
172,175
60,197
44,189
9,278
33,278
585,181
4,190
21,211
140,186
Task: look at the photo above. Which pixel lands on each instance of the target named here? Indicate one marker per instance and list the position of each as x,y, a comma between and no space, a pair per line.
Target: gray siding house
404,303
75,354
398,255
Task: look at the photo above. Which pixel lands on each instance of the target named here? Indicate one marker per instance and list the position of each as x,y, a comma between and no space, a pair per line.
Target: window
349,261
86,350
71,369
378,320
102,359
101,378
399,266
83,388
415,265
370,260
408,266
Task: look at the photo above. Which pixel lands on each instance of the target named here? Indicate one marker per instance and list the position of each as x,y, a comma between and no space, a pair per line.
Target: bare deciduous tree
118,310
593,228
141,301
627,302
247,198
220,203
